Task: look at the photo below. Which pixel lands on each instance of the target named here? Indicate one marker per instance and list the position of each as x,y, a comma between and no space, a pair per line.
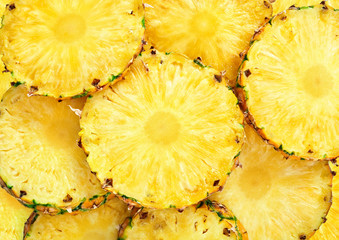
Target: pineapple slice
217,31
39,157
330,229
102,223
334,4
5,79
203,221
282,5
276,198
167,135
289,82
65,48
13,217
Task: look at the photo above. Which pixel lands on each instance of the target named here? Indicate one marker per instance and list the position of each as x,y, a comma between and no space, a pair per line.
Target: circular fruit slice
39,157
330,229
217,31
164,136
13,217
282,5
274,197
69,48
102,223
289,82
203,221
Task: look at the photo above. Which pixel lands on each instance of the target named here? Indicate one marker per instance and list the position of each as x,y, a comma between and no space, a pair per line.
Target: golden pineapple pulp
39,157
3,5
99,224
166,135
5,80
210,222
282,5
276,198
63,48
215,30
330,229
291,82
333,3
13,217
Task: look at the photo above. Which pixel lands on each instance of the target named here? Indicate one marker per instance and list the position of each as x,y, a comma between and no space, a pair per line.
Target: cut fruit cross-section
282,5
70,48
205,221
289,82
164,136
39,157
5,80
217,31
276,198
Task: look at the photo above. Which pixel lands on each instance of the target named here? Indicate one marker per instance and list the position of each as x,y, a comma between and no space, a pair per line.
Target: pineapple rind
205,220
282,5
101,223
288,198
13,217
51,67
314,145
176,86
54,176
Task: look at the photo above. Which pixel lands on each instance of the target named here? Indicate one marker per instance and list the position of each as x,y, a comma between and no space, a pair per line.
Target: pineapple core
204,24
70,28
317,81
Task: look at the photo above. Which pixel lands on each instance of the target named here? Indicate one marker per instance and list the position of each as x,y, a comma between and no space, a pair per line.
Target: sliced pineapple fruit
40,160
5,79
289,82
203,221
13,217
276,198
330,229
66,48
334,4
217,31
165,136
102,223
282,5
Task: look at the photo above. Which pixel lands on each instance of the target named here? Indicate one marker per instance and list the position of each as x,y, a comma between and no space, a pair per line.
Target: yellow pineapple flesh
217,31
205,221
166,135
289,82
13,217
39,157
282,5
5,79
64,48
102,223
276,198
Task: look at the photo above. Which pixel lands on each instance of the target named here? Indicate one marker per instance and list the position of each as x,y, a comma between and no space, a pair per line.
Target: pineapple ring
102,223
40,160
13,217
218,31
295,104
329,230
166,136
203,221
70,48
285,198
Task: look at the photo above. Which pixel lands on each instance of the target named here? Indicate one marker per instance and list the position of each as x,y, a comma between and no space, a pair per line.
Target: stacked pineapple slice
167,137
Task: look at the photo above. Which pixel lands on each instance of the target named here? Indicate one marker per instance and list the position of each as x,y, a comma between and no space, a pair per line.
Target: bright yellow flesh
38,150
294,82
63,46
191,224
276,198
282,5
215,30
102,224
13,217
5,80
333,3
330,229
165,134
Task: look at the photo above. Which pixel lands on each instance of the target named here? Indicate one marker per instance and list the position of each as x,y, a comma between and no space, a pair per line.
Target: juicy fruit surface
286,198
215,30
210,223
5,80
63,48
13,217
166,135
333,3
102,223
295,103
39,156
329,230
282,5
